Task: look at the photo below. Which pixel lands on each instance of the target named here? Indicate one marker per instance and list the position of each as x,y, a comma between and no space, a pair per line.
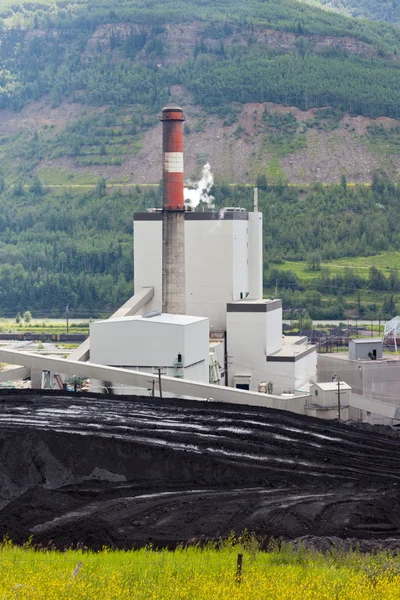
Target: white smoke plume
200,191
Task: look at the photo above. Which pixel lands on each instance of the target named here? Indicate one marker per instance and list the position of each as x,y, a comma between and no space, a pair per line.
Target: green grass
383,140
360,264
57,176
43,326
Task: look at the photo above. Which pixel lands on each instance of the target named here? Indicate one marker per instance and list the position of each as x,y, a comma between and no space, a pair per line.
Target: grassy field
196,574
57,176
360,264
55,326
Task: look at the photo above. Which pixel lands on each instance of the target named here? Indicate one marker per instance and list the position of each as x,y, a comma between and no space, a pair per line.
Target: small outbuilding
364,349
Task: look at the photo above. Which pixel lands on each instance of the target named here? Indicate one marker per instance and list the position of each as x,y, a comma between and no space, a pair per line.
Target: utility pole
226,359
66,316
338,397
152,389
159,381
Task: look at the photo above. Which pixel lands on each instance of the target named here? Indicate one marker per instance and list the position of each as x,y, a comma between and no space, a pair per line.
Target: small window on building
316,392
242,386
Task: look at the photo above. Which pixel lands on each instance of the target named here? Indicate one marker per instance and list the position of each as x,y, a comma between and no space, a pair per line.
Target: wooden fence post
239,568
77,569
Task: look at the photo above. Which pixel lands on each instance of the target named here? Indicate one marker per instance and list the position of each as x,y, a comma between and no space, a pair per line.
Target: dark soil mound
123,473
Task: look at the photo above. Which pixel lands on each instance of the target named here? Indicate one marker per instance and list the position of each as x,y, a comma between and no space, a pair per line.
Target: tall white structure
223,260
224,282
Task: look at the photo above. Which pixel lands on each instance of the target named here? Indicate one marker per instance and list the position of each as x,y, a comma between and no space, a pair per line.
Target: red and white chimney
173,250
172,119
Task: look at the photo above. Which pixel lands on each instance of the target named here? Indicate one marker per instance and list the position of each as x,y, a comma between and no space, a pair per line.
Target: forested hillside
274,92
379,10
110,72
75,249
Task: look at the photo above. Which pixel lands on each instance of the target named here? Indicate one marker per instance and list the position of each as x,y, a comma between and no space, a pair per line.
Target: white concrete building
223,260
177,344
224,282
258,354
324,401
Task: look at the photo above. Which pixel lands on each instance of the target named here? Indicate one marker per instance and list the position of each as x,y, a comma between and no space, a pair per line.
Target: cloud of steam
200,191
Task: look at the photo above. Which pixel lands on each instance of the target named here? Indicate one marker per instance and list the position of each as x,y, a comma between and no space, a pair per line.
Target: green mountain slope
387,11
273,92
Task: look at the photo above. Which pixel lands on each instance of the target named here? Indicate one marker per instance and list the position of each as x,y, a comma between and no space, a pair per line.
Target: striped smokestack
173,258
172,119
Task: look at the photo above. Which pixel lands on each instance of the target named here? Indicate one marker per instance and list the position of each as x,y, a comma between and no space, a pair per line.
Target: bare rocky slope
91,471
237,153
314,145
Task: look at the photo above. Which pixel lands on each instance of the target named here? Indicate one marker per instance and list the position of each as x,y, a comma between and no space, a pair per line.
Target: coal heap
128,472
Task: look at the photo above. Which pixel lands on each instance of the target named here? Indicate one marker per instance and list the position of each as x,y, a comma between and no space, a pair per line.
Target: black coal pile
124,473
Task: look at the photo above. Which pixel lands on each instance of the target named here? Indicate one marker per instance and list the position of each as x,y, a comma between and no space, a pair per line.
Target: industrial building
224,282
172,345
210,264
198,325
369,372
326,399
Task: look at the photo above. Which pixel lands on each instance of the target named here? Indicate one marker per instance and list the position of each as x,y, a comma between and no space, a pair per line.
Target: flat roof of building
160,318
291,353
345,356
248,305
331,386
294,340
211,215
367,341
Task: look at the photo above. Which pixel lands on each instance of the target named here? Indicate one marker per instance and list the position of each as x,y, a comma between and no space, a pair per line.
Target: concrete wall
289,376
329,413
240,265
255,225
247,342
305,369
274,331
374,379
198,372
329,365
216,267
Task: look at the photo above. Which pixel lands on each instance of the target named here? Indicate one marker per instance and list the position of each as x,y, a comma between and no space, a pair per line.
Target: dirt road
91,471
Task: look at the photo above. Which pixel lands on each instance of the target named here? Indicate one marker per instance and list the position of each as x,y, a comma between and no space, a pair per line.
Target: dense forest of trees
68,249
53,61
334,221
75,249
383,10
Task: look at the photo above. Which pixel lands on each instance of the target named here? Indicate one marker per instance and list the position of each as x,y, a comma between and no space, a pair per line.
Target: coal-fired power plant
173,234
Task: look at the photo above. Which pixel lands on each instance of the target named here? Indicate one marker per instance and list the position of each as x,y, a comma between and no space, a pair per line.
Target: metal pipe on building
173,234
255,204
